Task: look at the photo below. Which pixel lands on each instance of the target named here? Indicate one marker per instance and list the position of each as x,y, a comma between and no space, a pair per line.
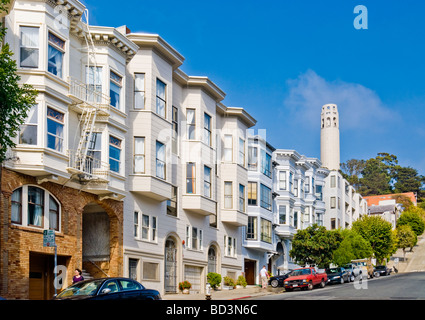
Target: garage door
193,275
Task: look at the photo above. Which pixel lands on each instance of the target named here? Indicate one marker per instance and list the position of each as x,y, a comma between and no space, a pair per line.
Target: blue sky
282,60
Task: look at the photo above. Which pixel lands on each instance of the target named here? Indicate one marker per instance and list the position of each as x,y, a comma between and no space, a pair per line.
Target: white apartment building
140,169
299,200
258,236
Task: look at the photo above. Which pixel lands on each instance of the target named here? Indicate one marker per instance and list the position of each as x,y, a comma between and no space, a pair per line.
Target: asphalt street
406,286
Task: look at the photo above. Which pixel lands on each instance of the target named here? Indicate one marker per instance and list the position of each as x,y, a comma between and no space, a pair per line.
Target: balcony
234,217
285,231
88,168
83,97
198,204
150,186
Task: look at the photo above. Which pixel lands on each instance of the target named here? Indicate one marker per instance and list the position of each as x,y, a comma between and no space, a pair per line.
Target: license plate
295,285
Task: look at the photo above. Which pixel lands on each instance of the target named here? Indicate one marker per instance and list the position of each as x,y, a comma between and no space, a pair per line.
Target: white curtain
160,160
139,91
55,60
29,47
139,155
190,119
228,148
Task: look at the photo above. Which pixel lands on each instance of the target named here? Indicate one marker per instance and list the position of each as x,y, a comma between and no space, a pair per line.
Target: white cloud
360,108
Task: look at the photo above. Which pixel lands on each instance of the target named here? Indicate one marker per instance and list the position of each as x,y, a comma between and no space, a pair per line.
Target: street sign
49,238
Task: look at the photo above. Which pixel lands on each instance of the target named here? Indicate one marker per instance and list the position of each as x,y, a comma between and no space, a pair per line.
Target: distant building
375,200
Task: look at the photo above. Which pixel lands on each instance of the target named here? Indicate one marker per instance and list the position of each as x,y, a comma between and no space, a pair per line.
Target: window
228,148
296,213
207,129
56,49
172,203
115,85
296,187
307,185
136,224
139,155
132,268
266,230
207,182
241,152
29,47
35,207
145,227
194,238
241,198
282,214
114,154
94,82
282,180
55,123
174,145
150,270
266,164
333,181
228,195
190,177
191,124
251,230
333,202
291,182
160,98
94,152
154,229
139,91
230,246
266,197
252,158
333,223
252,193
319,193
28,132
160,160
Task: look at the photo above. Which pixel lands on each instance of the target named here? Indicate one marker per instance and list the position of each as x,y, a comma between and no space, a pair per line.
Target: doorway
250,271
170,281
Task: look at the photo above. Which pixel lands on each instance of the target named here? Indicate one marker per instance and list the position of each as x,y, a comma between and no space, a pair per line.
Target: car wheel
274,283
310,286
342,280
352,278
322,284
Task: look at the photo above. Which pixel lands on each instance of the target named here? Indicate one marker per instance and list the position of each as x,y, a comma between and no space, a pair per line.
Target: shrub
185,285
241,281
214,279
229,282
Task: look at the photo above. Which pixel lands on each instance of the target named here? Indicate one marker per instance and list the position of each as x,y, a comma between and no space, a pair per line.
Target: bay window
29,47
55,124
114,154
191,177
28,130
139,155
55,54
160,98
115,85
160,160
139,91
191,124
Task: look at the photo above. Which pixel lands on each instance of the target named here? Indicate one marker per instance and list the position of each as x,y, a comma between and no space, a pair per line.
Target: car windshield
299,272
380,267
332,270
85,288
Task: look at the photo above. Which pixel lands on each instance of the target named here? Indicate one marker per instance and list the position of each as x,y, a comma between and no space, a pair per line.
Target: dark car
382,271
277,281
108,289
338,275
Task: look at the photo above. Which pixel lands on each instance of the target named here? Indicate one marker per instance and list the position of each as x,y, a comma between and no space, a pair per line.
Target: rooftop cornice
241,113
287,154
144,40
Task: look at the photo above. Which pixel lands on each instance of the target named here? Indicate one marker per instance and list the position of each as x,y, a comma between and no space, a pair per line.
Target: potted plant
214,279
185,286
241,282
229,283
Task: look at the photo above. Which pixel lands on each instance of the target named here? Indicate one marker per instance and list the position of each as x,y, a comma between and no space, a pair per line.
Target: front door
250,271
170,266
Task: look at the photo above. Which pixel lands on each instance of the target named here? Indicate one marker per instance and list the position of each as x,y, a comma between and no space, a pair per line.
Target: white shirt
263,272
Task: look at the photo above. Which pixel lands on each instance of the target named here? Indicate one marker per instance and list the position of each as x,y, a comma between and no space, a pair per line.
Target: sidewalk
415,261
235,294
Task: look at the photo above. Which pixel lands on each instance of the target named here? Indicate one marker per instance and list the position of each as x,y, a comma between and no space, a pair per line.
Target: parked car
277,281
338,275
365,265
353,270
305,278
117,288
382,271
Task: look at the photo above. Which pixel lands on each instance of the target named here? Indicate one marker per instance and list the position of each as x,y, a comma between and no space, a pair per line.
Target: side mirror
105,291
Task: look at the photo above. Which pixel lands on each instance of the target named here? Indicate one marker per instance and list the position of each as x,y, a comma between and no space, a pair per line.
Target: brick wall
16,242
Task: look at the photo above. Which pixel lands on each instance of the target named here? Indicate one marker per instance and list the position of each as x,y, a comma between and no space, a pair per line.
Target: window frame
55,46
158,98
21,47
119,148
140,155
138,90
192,178
60,122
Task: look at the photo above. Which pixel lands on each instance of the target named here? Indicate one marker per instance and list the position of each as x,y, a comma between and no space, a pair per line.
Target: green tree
351,171
407,179
378,233
406,238
15,99
315,246
413,217
353,246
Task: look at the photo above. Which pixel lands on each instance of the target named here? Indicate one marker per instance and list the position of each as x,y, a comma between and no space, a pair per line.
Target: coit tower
329,137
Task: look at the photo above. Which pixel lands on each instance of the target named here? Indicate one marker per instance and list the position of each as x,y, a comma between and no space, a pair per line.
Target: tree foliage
406,237
314,246
15,99
353,246
378,233
413,217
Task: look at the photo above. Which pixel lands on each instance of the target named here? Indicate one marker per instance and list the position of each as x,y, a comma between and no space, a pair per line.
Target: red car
305,278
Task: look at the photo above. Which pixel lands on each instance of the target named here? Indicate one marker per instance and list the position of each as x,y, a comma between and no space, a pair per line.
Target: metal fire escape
90,103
